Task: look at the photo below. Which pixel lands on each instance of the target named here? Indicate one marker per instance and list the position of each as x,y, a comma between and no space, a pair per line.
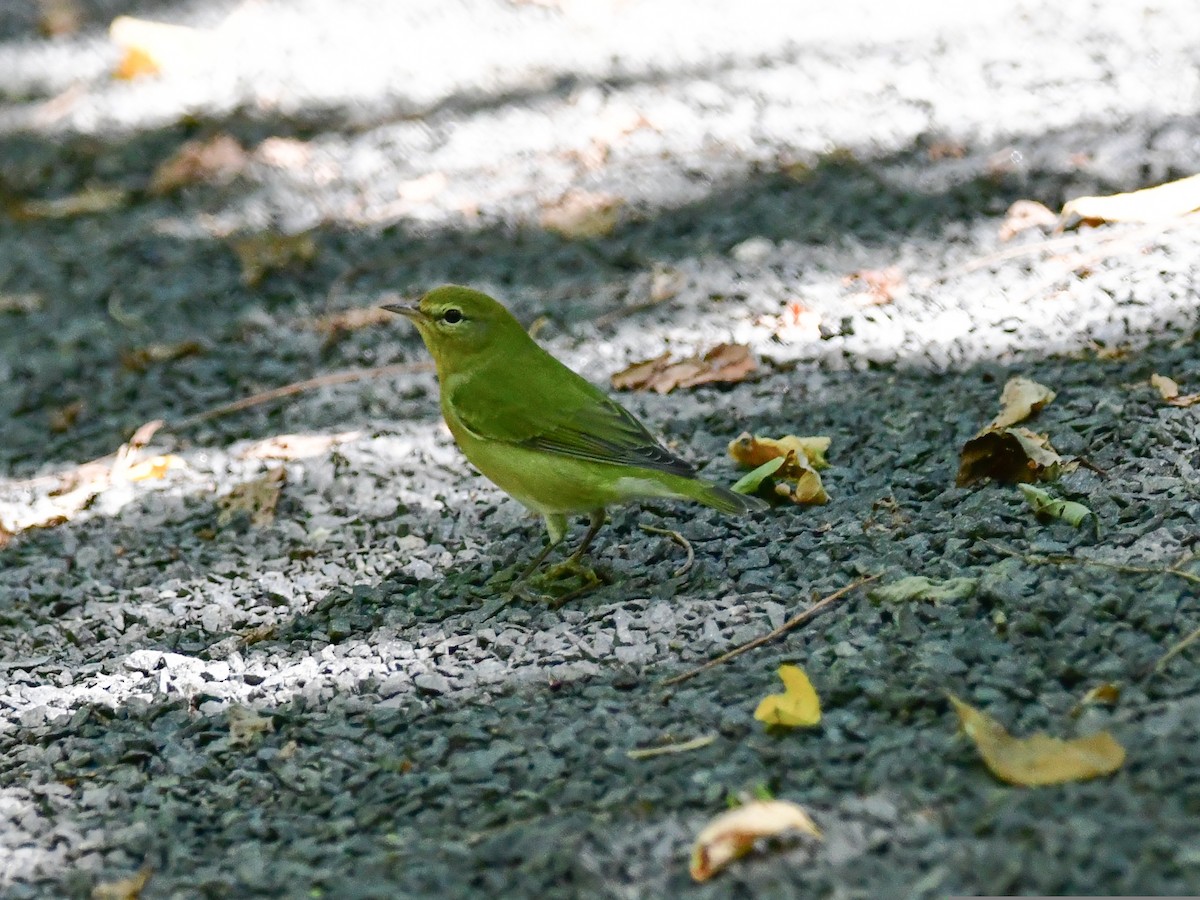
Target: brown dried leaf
1026,214
1021,398
1010,455
580,215
64,417
725,363
260,254
297,446
257,499
1157,204
217,160
733,833
1038,759
142,358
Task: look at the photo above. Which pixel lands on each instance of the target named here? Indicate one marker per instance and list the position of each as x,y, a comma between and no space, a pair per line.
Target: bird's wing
556,411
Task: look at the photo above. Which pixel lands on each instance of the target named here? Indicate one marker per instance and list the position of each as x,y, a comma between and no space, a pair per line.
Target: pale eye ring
452,316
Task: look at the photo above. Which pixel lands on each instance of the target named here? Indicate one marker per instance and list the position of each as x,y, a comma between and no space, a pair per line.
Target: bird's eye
452,316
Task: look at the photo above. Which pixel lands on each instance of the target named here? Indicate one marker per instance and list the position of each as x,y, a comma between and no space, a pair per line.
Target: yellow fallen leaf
796,479
154,468
152,47
733,833
256,498
797,706
1038,759
1021,398
752,450
1156,204
1168,389
124,888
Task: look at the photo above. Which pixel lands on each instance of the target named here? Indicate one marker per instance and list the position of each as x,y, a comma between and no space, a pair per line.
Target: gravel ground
404,743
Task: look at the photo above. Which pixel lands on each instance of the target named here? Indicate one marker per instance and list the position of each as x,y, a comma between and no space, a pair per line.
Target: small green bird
548,438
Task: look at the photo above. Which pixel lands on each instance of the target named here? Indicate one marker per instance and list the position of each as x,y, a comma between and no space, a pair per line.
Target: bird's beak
409,312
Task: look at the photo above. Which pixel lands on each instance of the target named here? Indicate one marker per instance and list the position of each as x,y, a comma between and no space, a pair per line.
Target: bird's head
457,323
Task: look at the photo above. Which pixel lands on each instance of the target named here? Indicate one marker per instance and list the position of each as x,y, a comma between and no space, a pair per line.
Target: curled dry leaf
1168,389
1157,204
1010,455
798,705
1046,506
297,446
257,499
795,478
752,450
217,160
1026,214
579,215
1038,759
260,254
1020,399
725,363
246,726
284,153
918,587
733,833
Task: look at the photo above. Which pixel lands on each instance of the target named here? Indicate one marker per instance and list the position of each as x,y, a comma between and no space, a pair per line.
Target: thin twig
1038,559
298,387
681,541
1176,649
664,749
795,622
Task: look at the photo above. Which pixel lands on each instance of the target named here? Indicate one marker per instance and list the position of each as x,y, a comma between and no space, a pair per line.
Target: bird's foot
567,580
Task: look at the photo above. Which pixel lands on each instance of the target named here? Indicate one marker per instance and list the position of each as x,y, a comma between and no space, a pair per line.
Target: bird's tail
727,501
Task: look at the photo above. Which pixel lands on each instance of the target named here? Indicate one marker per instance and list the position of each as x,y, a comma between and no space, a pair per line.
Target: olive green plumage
549,438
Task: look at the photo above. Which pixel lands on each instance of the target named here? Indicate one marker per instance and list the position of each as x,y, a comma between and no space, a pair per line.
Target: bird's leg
556,530
574,567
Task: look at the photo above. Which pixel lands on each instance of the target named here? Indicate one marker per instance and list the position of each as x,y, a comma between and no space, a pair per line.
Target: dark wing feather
556,411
